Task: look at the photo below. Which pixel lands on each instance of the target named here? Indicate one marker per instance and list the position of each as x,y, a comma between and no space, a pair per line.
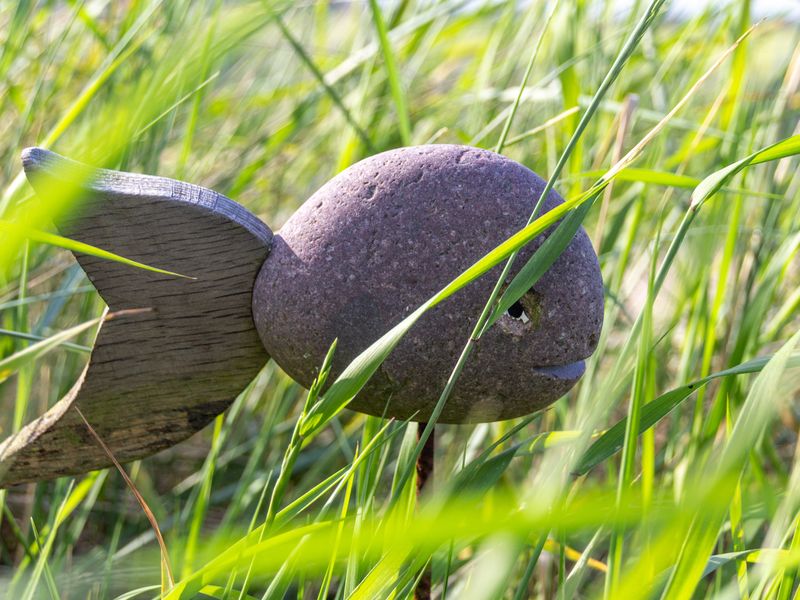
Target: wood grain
156,376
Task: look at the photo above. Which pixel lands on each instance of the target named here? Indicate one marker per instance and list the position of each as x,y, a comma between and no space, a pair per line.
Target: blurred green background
266,101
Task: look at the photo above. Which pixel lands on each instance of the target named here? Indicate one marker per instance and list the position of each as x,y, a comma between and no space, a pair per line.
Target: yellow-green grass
669,471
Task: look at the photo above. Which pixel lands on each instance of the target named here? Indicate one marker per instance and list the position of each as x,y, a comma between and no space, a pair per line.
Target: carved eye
515,311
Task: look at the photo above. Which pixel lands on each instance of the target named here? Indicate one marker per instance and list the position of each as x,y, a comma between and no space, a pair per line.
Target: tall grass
670,471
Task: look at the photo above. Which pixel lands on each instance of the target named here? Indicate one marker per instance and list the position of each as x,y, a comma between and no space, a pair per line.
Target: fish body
385,235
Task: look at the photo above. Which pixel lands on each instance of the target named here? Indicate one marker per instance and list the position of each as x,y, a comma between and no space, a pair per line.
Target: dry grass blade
636,151
166,566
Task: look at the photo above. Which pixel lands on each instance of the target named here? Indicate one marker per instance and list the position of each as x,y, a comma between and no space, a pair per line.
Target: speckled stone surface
386,234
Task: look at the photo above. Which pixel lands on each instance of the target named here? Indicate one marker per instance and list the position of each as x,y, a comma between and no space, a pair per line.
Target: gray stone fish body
386,234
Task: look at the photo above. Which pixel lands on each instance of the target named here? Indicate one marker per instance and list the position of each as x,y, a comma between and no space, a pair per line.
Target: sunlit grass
669,471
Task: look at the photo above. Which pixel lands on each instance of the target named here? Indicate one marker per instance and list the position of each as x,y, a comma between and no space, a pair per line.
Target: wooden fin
158,375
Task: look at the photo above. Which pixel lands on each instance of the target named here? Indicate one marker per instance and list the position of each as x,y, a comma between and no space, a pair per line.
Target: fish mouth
570,371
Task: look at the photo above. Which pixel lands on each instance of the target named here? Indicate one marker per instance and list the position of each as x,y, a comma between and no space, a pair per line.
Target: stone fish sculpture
356,258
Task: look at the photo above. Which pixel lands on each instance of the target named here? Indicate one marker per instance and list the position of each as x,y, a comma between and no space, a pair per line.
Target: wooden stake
424,481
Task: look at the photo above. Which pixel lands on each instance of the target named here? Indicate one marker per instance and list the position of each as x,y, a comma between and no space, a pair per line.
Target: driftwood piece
155,376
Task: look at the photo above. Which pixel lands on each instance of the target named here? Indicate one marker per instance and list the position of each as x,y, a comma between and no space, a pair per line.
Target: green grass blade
611,441
393,75
52,239
29,354
712,184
